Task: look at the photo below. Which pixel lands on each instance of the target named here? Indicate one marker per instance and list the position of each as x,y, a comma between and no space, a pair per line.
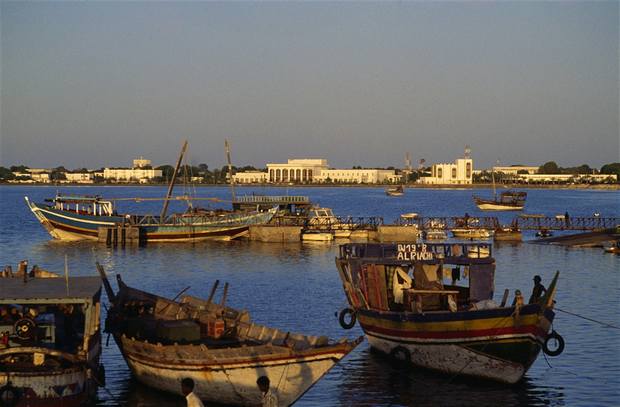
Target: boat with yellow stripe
431,305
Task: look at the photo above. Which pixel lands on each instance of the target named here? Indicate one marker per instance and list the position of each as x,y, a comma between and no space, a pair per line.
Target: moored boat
397,190
472,233
164,341
50,338
431,306
90,217
507,201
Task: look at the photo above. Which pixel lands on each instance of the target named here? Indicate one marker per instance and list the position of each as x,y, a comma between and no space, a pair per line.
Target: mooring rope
588,319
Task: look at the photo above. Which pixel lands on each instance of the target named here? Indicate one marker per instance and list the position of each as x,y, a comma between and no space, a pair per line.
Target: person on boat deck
187,388
538,290
269,398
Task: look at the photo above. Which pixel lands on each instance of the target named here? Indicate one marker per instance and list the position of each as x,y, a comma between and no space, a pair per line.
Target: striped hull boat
70,225
490,344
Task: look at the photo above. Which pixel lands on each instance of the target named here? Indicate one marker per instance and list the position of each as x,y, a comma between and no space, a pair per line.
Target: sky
93,84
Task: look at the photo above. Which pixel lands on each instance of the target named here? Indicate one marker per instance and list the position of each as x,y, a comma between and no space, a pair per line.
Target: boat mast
171,185
493,178
232,179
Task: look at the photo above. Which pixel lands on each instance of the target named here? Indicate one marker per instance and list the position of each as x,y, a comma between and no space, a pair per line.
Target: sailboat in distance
506,201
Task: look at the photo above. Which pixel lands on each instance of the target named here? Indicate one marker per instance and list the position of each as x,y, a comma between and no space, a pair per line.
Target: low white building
251,177
458,173
141,172
357,176
80,177
565,178
34,175
515,169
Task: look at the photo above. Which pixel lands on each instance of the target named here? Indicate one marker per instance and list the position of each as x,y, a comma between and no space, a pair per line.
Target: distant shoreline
610,187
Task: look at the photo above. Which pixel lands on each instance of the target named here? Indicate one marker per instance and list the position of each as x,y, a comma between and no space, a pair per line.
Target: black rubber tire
342,318
3,395
401,356
556,336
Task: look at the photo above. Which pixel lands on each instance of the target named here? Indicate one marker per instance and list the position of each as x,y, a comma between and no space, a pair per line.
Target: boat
322,220
544,233
220,348
397,190
317,237
508,233
435,231
507,200
50,338
615,248
68,217
472,233
431,306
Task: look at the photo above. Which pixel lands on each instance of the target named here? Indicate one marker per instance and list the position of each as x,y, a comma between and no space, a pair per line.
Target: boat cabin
85,205
512,197
418,278
47,322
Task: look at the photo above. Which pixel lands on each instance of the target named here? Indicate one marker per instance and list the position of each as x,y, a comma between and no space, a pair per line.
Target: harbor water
295,287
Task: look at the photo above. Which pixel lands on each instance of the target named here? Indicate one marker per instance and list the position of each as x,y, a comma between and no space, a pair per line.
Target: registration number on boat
414,252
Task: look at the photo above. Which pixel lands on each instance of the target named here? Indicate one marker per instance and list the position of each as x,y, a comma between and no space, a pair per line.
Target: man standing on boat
187,388
270,399
538,290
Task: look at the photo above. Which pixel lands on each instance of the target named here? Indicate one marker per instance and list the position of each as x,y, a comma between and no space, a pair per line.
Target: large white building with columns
315,170
457,173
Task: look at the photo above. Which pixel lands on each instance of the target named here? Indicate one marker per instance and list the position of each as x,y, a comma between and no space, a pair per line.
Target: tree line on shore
202,173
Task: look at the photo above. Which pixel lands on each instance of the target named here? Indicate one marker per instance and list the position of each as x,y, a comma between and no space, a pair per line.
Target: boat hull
232,382
72,226
489,344
66,387
492,206
472,233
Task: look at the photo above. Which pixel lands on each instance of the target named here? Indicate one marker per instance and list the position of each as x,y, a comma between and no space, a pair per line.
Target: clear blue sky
99,83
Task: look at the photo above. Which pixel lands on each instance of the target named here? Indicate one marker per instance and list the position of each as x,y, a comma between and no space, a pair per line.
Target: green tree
166,171
6,174
549,167
58,173
18,168
611,168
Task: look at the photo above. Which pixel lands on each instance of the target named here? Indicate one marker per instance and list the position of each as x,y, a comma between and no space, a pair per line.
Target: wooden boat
431,305
507,201
508,234
164,341
50,339
91,217
87,217
323,221
397,190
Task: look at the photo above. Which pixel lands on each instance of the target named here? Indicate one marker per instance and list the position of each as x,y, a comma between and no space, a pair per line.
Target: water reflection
370,379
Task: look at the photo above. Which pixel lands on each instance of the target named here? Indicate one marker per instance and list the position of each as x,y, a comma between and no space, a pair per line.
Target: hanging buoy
558,340
343,316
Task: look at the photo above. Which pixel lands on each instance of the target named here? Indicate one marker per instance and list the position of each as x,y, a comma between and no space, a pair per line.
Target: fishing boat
397,190
435,231
507,200
431,306
96,218
49,338
220,348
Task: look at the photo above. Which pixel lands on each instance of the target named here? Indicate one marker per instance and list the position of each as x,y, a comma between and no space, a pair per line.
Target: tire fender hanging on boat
560,341
9,395
342,318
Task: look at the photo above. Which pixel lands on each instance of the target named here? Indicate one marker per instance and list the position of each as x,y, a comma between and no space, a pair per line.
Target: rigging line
588,319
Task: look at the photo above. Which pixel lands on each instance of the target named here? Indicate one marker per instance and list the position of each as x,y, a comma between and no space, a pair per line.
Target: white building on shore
516,169
457,173
80,177
251,177
315,170
142,172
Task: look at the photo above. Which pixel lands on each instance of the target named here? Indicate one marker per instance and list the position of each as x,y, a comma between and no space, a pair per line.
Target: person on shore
269,399
537,291
187,388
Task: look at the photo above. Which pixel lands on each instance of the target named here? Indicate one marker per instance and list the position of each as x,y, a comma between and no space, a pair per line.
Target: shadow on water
370,379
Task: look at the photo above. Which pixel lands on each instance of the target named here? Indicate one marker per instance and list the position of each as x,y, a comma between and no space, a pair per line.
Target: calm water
296,287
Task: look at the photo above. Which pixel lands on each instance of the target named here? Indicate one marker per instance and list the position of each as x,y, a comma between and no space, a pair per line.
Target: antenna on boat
171,186
232,179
